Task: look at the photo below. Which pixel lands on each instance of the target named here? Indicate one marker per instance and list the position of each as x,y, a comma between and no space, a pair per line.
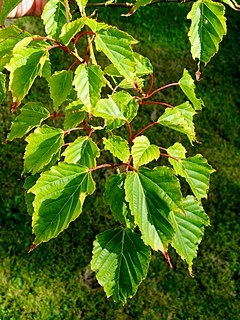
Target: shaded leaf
31,116
43,144
59,196
143,152
2,86
88,82
120,260
187,85
152,194
83,151
118,147
29,197
60,85
189,229
114,196
7,7
207,29
73,115
232,3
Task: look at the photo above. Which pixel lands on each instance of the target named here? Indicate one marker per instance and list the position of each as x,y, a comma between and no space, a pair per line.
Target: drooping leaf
43,144
83,151
2,86
7,7
116,45
180,119
54,17
25,65
187,85
59,196
143,152
29,197
152,194
73,115
136,6
189,229
69,30
195,170
114,196
88,82
60,85
207,28
118,147
120,260
118,108
31,116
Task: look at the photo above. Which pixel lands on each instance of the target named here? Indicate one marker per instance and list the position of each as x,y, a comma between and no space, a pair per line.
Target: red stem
81,34
65,48
130,130
55,115
143,129
125,165
72,65
158,102
161,88
151,85
101,166
168,156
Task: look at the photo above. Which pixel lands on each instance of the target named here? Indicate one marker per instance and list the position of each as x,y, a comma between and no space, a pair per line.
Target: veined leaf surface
42,145
118,147
69,30
2,86
73,115
189,229
31,116
207,28
120,260
59,196
152,194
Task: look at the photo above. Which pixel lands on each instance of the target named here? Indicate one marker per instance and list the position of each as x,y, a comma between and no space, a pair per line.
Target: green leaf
2,86
114,196
152,194
180,119
120,260
118,147
195,170
59,196
136,6
31,116
207,29
29,197
54,17
88,82
73,115
118,108
82,5
69,30
43,144
116,45
189,229
232,3
143,152
60,84
25,65
187,85
7,7
83,151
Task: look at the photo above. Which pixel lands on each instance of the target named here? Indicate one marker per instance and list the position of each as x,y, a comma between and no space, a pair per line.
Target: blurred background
55,280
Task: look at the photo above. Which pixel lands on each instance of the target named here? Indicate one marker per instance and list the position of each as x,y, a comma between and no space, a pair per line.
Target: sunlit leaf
2,86
120,260
118,147
42,145
59,196
31,116
83,151
189,229
207,28
143,152
152,194
69,30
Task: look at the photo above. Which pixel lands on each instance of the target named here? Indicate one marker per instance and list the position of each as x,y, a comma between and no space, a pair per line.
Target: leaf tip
33,246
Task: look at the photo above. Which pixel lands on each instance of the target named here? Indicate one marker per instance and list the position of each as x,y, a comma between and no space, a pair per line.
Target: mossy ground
55,281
